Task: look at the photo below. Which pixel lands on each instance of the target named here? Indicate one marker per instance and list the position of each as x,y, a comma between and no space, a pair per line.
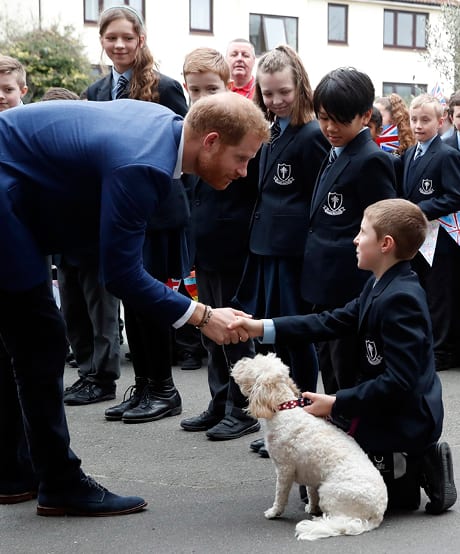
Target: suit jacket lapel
269,157
105,90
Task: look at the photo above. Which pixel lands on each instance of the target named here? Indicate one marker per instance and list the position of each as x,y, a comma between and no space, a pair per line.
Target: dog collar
297,403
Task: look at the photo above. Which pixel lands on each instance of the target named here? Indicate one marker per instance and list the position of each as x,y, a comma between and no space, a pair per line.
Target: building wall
169,38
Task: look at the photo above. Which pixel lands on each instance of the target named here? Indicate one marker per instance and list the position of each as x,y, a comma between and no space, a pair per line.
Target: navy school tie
275,133
122,86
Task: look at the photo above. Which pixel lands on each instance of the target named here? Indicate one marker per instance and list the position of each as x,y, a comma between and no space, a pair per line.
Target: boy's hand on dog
247,328
321,404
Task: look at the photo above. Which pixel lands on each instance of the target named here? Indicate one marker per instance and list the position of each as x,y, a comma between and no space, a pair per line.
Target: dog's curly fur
341,481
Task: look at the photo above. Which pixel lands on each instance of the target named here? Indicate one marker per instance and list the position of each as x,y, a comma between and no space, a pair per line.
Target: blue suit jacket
68,181
361,175
397,400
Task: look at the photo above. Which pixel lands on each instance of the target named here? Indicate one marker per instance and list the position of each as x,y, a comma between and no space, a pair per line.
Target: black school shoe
90,393
231,427
256,445
437,476
87,498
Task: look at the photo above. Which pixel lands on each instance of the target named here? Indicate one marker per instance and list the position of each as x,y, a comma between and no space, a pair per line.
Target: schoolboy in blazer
395,405
360,175
431,180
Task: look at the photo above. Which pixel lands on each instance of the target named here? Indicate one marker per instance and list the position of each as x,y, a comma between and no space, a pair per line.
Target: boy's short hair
230,115
424,99
59,93
202,60
454,100
343,94
376,117
401,219
13,66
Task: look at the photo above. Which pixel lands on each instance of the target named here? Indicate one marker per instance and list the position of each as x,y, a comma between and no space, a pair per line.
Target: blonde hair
59,93
202,60
276,60
230,115
402,220
12,66
144,80
424,99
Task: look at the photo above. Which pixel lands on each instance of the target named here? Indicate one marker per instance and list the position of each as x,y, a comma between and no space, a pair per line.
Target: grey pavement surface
204,497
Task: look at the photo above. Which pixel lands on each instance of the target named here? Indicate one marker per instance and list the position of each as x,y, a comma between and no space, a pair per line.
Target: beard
210,170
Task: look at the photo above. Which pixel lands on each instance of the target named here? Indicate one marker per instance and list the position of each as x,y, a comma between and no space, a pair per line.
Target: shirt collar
180,155
115,76
247,90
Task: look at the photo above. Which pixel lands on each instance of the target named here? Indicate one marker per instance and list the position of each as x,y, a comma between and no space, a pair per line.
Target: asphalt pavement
205,497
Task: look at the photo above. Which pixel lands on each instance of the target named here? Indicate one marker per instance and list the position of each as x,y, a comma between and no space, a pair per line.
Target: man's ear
211,139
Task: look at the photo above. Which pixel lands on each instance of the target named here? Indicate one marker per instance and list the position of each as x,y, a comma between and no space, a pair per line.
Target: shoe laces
92,483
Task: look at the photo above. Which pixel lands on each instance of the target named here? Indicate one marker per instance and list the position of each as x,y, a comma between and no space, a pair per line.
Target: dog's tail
332,526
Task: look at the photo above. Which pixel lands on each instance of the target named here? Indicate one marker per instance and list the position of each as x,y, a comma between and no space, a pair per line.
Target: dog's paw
312,510
272,513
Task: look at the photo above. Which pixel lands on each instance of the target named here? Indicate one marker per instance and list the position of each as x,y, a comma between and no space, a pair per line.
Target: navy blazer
220,222
452,140
434,182
361,175
287,176
397,401
67,181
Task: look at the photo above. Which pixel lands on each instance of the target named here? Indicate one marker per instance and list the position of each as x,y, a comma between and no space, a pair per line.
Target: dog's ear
264,395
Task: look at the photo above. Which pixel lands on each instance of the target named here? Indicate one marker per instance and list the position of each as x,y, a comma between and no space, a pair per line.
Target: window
200,16
268,31
93,8
407,91
337,23
404,29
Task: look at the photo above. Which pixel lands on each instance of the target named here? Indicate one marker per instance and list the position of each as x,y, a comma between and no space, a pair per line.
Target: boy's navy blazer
434,182
220,222
397,403
452,140
67,181
287,176
360,176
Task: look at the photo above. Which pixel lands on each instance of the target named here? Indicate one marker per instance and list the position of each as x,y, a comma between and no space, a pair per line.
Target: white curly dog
341,481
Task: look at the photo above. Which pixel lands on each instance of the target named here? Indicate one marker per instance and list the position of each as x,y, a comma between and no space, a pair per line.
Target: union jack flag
438,93
451,224
388,140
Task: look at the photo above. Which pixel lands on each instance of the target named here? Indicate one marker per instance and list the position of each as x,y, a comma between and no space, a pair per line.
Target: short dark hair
344,93
376,117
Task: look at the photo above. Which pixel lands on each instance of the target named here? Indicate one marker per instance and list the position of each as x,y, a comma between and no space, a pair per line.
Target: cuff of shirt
188,314
269,336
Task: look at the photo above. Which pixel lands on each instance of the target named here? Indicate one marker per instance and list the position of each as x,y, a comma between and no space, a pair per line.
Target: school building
384,38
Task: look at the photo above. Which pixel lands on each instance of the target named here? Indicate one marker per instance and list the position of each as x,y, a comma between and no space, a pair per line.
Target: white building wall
167,23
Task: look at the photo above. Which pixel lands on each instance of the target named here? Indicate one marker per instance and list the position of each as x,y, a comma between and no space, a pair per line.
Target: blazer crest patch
372,355
334,204
283,174
426,187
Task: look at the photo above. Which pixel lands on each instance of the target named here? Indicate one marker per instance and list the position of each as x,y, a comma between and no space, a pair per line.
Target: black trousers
31,378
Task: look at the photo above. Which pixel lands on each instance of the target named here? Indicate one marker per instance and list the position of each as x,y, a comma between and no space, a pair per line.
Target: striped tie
122,85
418,152
275,132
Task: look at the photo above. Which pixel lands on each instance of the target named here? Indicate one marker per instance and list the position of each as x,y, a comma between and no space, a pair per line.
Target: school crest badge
283,175
334,204
426,187
372,355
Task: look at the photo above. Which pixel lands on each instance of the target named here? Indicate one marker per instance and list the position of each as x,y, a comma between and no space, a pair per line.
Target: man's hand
251,328
217,326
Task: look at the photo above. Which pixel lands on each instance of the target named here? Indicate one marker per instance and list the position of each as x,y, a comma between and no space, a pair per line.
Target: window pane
91,10
110,3
405,29
420,32
291,31
255,33
274,32
388,28
337,23
200,15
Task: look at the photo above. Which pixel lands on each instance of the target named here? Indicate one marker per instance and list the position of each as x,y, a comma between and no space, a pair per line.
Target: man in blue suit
75,176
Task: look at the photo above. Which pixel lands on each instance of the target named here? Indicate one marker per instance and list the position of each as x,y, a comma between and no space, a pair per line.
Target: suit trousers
217,288
91,315
33,333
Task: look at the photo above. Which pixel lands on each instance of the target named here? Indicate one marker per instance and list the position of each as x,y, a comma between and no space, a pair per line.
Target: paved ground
204,497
